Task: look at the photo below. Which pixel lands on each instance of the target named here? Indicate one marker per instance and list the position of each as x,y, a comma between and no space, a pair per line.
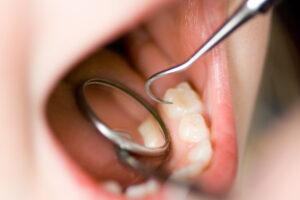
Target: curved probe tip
150,94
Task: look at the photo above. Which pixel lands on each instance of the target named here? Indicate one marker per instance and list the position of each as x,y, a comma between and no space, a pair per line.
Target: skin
280,138
42,50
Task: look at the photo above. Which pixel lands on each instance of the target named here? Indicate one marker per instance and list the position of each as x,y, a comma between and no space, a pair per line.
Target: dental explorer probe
248,10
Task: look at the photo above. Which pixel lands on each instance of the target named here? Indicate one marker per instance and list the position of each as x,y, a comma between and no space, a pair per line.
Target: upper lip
82,185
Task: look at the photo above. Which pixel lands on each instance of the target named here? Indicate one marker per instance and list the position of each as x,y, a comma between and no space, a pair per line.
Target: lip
49,152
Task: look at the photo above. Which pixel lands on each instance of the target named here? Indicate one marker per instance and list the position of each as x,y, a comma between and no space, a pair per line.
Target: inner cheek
181,31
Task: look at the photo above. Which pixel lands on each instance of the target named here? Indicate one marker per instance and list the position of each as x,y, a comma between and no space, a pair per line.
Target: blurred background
280,86
271,165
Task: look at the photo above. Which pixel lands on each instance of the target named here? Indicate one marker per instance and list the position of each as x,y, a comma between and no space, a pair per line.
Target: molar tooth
199,158
201,153
141,190
112,187
192,128
185,100
188,172
151,133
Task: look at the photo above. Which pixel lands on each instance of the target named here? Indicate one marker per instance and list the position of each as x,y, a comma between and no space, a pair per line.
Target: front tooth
192,128
201,153
112,187
184,101
151,133
141,190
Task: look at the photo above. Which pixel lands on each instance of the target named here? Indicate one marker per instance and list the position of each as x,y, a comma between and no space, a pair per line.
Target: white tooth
201,153
151,133
199,158
142,190
112,187
192,128
185,100
188,172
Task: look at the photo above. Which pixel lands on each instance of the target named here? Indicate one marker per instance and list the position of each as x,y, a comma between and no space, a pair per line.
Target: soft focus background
271,165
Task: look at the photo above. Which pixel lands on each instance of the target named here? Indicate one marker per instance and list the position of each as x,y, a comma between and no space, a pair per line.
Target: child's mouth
88,163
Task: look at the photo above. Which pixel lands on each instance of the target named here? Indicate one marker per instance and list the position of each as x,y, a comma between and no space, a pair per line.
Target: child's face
43,40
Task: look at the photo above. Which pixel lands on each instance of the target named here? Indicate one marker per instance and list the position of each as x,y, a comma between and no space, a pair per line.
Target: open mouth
202,94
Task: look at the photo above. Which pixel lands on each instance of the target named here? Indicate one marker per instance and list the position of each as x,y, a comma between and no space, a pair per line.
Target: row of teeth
136,191
192,134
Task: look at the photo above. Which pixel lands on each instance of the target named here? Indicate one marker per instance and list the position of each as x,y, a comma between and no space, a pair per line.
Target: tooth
201,153
192,128
151,133
112,187
142,190
185,100
188,172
